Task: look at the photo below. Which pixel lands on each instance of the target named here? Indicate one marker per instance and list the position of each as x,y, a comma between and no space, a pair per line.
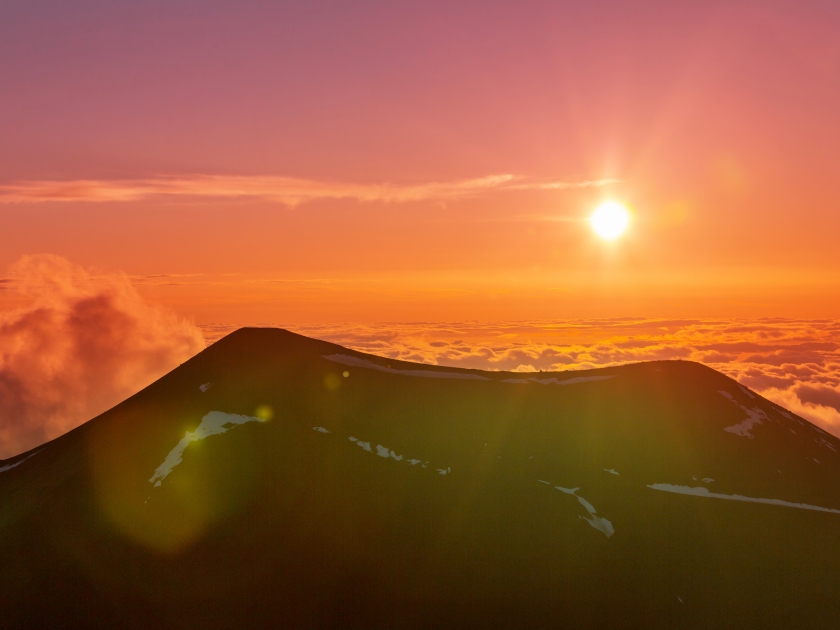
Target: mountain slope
275,480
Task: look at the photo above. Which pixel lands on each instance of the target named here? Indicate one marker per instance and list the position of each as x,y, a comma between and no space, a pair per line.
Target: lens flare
264,413
610,220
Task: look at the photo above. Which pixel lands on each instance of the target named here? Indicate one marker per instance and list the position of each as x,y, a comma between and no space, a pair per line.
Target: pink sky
717,119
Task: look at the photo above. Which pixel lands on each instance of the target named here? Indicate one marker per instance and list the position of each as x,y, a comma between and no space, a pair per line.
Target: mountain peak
280,480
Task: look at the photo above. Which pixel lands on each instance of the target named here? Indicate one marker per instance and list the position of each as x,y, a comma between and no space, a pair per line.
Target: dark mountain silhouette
279,481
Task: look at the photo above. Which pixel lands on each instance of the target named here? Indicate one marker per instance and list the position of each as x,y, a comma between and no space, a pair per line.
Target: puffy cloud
818,394
824,416
85,343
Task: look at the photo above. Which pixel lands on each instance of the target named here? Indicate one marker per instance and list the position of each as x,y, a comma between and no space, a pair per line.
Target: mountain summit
279,481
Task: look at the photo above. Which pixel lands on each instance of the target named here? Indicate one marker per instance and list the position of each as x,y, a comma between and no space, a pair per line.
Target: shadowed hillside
279,481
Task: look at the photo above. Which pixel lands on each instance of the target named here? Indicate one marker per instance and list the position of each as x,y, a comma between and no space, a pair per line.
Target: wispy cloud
285,190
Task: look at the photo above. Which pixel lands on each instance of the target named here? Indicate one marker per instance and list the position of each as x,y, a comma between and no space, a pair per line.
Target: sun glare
610,220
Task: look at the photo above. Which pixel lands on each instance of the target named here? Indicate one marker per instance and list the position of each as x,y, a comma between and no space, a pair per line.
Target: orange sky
315,162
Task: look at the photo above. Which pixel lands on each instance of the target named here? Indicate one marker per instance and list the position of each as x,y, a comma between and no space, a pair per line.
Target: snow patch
826,443
320,429
204,387
704,492
612,471
346,359
386,453
19,462
754,416
554,381
214,423
574,381
707,480
597,522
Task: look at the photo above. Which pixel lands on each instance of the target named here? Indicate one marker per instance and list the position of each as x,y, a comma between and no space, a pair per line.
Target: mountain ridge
311,485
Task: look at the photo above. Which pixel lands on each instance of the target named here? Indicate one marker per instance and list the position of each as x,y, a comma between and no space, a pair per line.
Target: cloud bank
285,190
795,363
89,341
84,344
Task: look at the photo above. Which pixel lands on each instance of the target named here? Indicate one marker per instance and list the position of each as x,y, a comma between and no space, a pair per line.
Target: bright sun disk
609,220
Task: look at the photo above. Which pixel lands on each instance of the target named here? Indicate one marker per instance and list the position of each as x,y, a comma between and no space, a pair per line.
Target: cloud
824,416
84,344
818,394
286,190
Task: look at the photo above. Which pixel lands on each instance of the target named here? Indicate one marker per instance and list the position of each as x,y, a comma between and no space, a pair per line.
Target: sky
221,164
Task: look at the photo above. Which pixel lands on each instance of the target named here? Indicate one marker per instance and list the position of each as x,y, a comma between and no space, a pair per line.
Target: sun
610,220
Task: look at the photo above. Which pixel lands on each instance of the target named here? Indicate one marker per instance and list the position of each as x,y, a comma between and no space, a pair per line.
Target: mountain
279,481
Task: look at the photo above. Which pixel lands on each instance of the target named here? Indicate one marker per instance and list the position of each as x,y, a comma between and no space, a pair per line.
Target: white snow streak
214,423
386,453
553,380
826,443
599,523
19,462
704,492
